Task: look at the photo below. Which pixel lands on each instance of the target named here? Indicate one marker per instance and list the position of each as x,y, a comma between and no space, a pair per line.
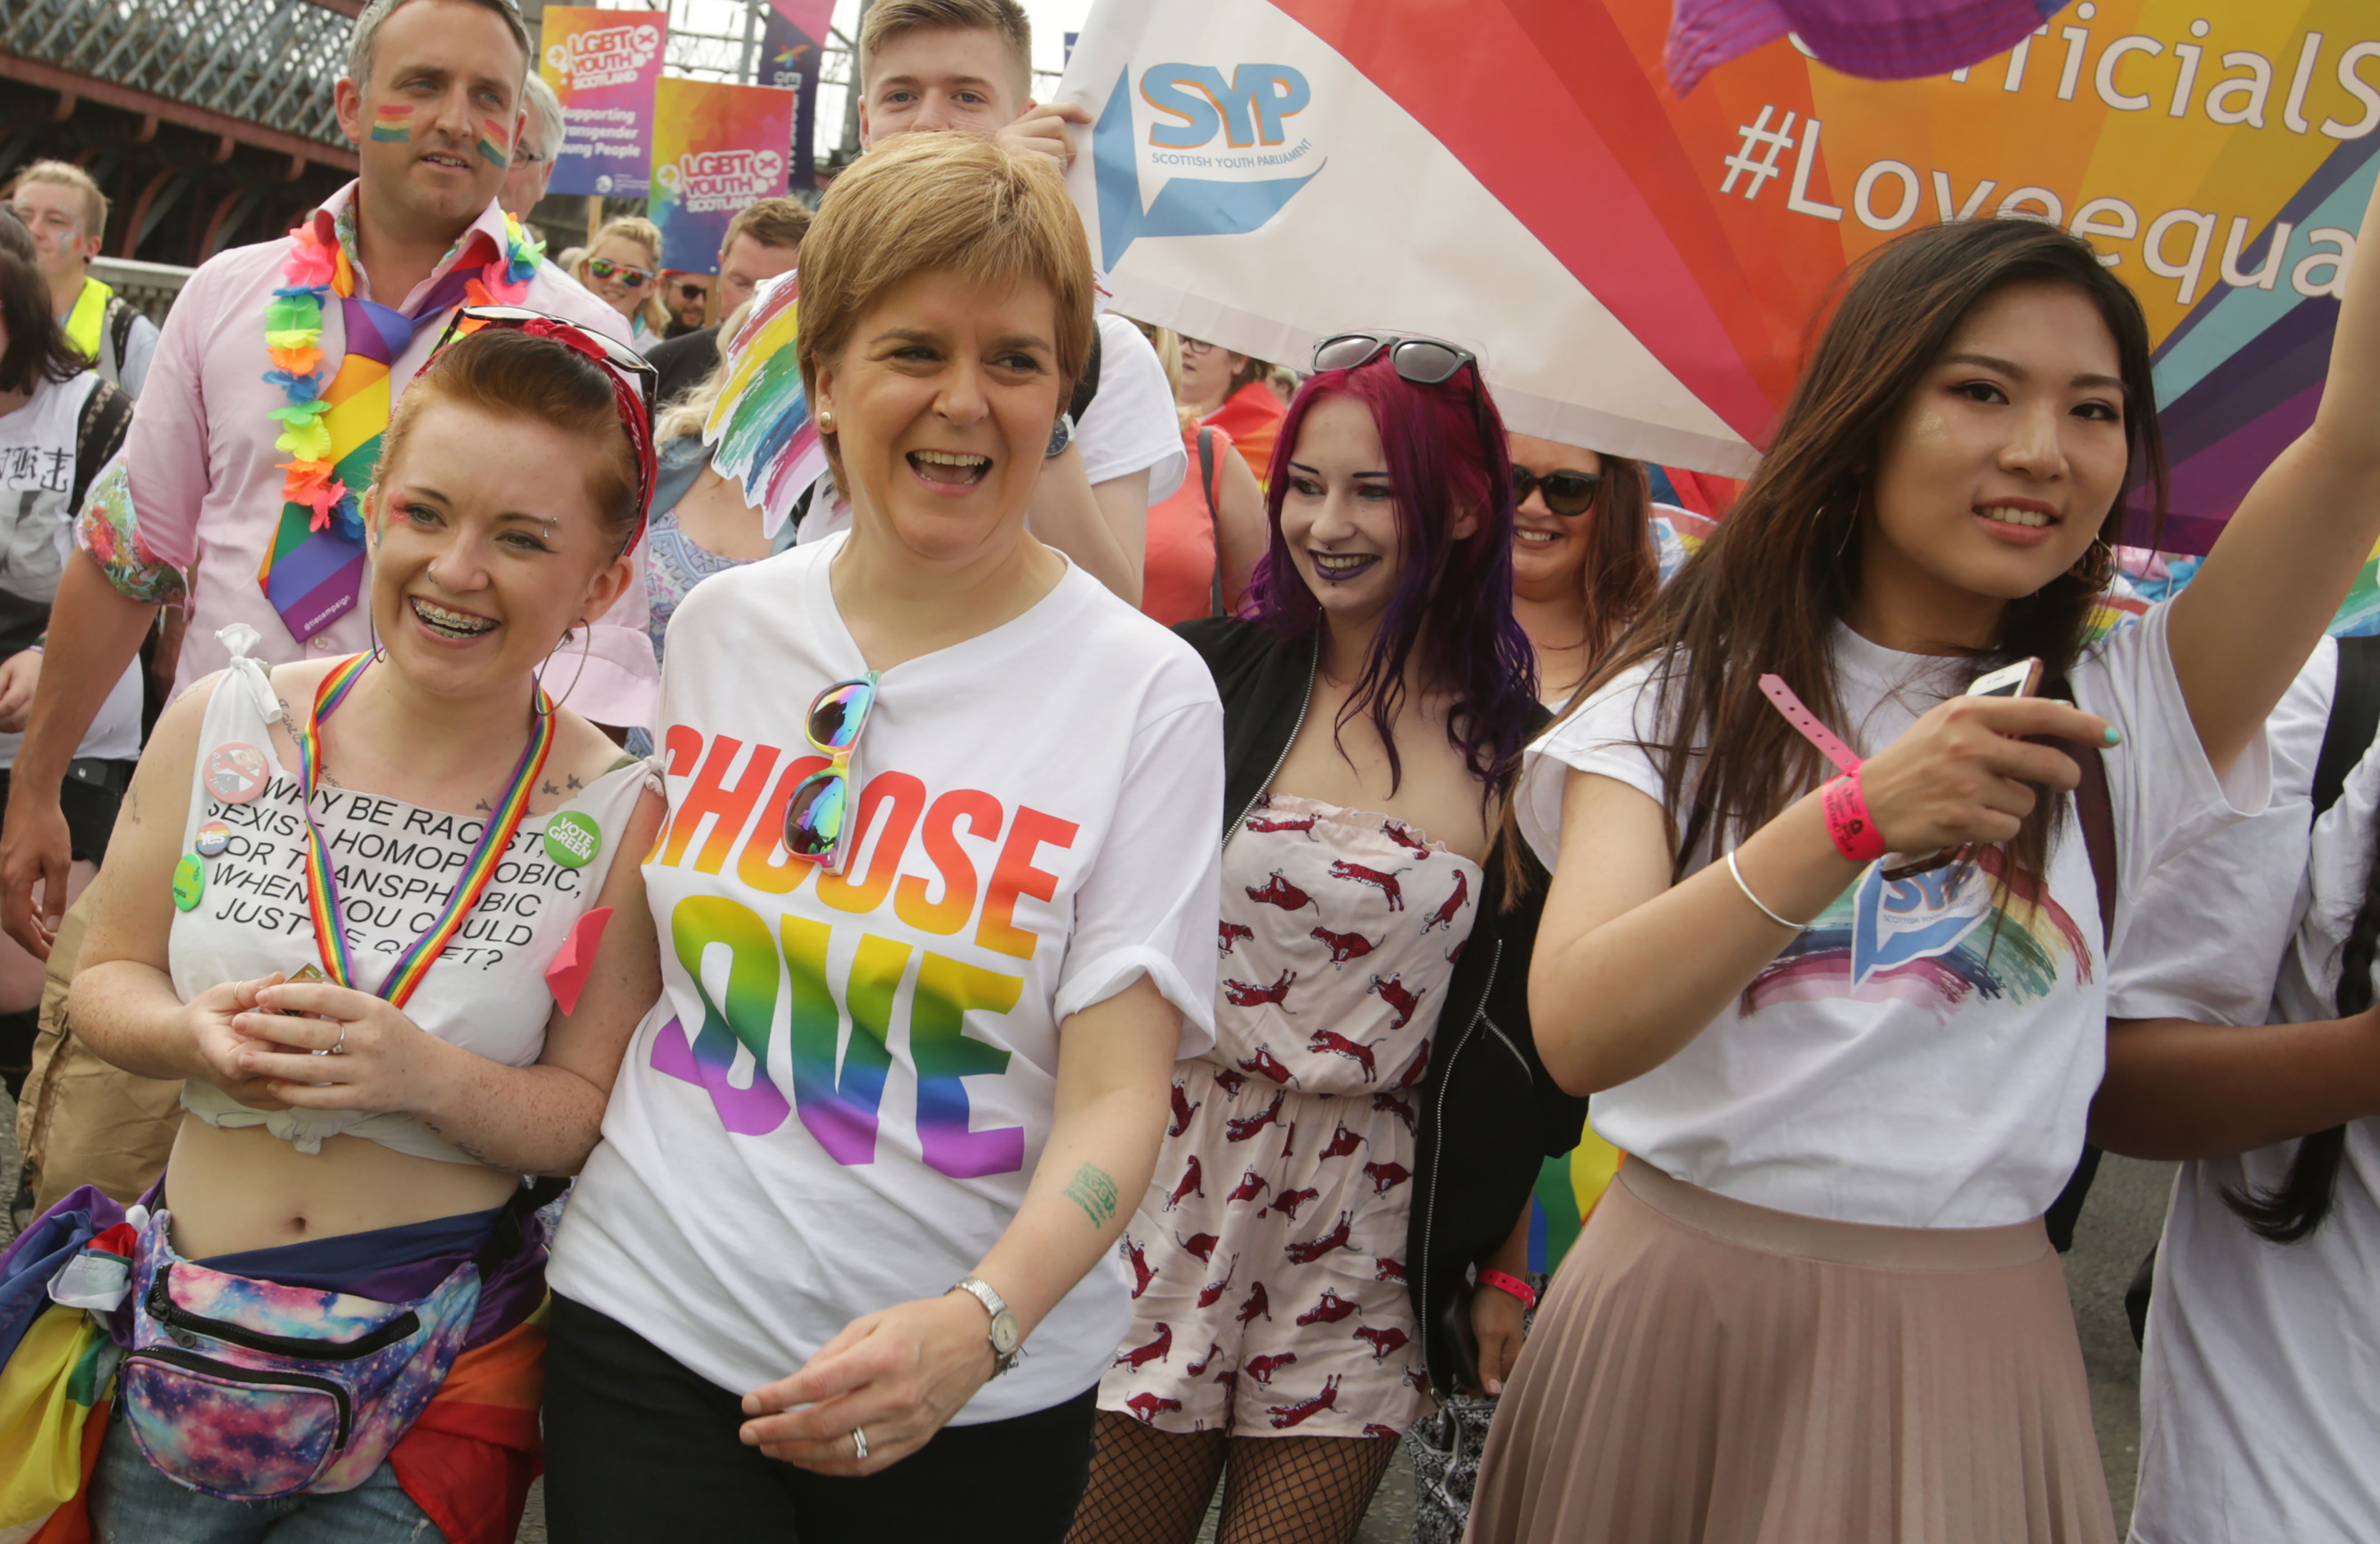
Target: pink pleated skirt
1705,1372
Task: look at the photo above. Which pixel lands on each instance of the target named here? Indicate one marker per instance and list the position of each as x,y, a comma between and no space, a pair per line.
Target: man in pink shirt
433,100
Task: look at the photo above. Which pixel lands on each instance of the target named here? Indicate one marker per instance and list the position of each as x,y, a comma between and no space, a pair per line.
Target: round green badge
189,881
572,839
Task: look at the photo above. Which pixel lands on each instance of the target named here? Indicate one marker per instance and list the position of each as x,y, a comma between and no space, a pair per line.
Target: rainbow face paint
392,125
495,143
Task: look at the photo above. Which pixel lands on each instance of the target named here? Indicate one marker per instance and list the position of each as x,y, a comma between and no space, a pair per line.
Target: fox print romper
1268,1260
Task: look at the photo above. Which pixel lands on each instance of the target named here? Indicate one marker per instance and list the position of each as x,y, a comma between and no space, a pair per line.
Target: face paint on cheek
1927,426
495,143
392,125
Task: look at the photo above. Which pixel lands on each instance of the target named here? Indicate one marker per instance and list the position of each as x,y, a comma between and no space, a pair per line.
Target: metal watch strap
997,1306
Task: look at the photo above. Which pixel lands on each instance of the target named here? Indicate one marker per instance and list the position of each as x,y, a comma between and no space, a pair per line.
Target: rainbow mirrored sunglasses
819,811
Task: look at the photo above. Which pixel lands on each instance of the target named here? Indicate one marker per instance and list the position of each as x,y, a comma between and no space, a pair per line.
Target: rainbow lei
321,882
314,272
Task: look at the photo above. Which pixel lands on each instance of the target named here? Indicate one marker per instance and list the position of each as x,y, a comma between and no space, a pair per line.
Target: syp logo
1252,108
604,55
705,182
1203,123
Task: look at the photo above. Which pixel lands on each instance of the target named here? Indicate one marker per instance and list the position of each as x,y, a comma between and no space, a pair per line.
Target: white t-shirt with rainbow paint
839,1102
1919,1056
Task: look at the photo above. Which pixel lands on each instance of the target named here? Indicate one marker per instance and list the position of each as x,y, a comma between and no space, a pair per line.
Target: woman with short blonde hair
937,784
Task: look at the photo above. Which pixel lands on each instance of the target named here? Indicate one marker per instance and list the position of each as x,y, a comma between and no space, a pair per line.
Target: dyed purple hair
1453,602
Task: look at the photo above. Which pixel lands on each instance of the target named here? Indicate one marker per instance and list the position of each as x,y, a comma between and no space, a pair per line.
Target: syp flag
717,147
605,65
1638,271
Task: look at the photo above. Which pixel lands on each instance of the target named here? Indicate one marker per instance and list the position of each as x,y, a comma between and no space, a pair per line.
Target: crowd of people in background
1039,977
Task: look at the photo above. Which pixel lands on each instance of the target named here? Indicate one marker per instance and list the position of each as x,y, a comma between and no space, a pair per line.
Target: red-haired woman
331,905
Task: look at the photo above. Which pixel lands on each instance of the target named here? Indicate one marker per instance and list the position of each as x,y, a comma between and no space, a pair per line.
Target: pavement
2120,1222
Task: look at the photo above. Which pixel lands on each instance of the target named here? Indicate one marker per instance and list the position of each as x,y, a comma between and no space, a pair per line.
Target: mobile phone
2020,679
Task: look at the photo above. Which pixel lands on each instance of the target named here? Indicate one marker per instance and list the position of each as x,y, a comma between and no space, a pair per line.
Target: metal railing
147,288
268,62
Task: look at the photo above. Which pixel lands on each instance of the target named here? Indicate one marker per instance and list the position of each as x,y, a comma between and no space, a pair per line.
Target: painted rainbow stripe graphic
2015,949
393,125
495,143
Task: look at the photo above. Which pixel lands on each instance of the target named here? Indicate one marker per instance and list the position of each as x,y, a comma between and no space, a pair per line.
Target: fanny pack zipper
192,1361
165,1311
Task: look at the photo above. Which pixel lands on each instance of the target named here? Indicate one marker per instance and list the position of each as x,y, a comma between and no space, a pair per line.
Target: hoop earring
2095,569
372,629
585,634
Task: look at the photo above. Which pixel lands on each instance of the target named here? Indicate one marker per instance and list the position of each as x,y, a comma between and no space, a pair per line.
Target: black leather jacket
1489,1113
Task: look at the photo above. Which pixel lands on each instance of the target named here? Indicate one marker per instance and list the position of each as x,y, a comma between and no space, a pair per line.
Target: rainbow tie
314,577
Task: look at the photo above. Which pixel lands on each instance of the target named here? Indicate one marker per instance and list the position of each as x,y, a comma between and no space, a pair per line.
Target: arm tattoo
1093,1191
549,788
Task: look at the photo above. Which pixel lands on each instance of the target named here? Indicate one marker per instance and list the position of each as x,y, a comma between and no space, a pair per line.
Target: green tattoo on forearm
1093,1191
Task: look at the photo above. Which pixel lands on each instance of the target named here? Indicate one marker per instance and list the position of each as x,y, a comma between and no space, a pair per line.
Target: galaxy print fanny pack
252,1391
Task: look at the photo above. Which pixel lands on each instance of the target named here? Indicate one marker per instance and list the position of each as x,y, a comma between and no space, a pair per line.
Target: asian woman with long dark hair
1847,1029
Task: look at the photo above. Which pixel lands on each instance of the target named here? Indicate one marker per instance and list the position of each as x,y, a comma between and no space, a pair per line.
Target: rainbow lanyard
322,884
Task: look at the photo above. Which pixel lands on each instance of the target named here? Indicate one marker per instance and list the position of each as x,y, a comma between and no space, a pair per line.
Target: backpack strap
2354,719
2095,811
1087,385
119,339
99,433
1207,486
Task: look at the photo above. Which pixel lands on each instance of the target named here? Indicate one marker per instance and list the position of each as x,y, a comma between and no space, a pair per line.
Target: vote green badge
572,839
190,881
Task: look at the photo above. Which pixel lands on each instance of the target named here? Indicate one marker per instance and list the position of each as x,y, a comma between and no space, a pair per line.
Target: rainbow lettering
837,1086
393,125
495,143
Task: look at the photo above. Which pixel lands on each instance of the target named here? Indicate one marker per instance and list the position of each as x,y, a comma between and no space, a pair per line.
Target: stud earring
826,420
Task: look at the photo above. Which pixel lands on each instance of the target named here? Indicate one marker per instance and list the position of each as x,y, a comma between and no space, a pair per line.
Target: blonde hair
947,203
645,234
1168,344
888,19
66,174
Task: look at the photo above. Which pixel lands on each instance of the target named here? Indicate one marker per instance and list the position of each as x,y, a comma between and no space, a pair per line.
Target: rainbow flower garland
313,272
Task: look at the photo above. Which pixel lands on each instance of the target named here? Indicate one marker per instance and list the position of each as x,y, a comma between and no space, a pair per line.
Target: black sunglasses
1567,493
1425,361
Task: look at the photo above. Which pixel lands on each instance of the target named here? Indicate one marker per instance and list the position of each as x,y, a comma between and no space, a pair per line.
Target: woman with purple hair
1336,1167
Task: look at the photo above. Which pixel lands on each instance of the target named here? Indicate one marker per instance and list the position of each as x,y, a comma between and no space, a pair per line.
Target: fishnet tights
1151,1486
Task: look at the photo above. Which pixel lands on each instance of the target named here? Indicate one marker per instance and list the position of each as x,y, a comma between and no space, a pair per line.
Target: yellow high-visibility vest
90,314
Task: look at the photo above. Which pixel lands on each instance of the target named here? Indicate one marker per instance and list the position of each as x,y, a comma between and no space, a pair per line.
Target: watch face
1003,1334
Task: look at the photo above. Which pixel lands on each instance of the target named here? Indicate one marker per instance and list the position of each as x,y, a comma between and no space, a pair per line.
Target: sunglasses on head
818,811
619,272
635,385
1425,361
1567,494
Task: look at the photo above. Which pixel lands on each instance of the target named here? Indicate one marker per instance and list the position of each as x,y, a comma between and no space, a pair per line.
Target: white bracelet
1755,900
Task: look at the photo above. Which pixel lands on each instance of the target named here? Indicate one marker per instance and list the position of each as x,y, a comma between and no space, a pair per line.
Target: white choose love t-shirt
839,1102
2257,1412
1924,1053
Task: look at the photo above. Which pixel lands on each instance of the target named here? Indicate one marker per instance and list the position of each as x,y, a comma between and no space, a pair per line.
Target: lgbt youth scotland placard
716,148
605,65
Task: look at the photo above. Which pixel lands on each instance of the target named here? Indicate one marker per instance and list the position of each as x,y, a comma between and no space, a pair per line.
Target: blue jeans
133,1502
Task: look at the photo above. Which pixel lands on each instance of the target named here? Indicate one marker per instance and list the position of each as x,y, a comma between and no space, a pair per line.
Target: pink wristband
1511,1286
1849,826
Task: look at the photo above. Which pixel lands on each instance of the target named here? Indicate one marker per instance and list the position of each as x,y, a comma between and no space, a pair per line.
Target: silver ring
860,1444
340,1047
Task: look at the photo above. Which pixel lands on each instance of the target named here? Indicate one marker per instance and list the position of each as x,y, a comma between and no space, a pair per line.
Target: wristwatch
1061,434
1006,1336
